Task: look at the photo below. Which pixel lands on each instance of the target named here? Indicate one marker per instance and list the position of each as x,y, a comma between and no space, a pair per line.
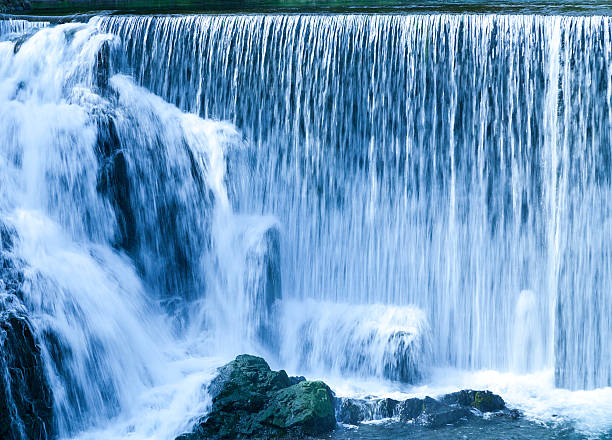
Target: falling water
448,162
108,194
391,195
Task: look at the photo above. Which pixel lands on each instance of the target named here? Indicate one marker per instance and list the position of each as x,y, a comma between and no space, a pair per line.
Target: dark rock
25,395
399,363
157,225
296,379
461,398
354,411
26,401
307,407
484,401
387,408
249,400
11,277
514,414
263,282
6,238
451,408
436,414
350,411
410,409
103,67
245,383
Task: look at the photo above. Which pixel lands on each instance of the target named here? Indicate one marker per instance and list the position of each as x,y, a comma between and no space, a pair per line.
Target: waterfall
18,27
448,162
381,197
109,197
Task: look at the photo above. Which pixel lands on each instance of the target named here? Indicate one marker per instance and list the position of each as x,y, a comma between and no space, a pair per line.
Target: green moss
486,401
307,405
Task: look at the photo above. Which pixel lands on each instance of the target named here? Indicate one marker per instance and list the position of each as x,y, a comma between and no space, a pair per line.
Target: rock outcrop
249,400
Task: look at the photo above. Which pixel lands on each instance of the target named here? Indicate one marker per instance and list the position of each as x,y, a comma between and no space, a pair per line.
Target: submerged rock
249,400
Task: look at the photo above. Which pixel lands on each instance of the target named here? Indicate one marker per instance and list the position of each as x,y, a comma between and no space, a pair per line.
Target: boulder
249,400
484,401
435,414
306,407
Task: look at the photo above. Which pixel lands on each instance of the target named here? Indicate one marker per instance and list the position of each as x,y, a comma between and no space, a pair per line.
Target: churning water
392,198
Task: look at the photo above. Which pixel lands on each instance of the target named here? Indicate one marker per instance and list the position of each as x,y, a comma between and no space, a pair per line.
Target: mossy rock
249,400
307,406
486,401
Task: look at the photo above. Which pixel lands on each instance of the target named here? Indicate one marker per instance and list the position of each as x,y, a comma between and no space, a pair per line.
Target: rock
514,414
6,238
249,400
399,360
410,409
307,406
363,340
26,402
436,414
296,379
354,411
484,401
263,285
103,67
387,408
350,411
451,408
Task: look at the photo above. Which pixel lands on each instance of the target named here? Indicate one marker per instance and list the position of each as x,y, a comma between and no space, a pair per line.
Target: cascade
107,198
